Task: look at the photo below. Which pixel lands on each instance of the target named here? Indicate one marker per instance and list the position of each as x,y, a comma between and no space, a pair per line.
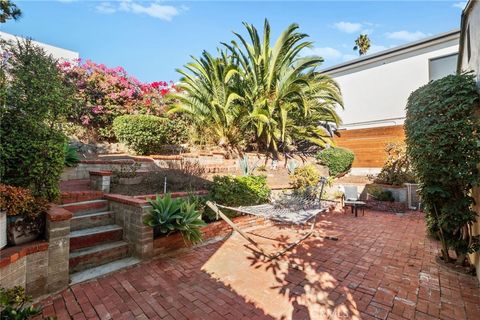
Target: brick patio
382,267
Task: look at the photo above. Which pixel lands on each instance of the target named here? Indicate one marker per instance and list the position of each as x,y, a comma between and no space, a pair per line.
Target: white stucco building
56,52
375,90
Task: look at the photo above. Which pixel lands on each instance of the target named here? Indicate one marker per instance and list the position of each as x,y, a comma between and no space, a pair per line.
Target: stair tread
87,215
102,270
97,248
89,231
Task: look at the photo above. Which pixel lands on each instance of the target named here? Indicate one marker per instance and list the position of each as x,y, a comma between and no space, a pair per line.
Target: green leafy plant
245,166
12,304
169,215
380,194
338,160
34,98
442,136
71,156
147,134
239,191
397,169
258,93
292,165
304,177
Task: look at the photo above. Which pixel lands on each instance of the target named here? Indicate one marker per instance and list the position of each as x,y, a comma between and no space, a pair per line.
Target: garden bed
165,244
387,206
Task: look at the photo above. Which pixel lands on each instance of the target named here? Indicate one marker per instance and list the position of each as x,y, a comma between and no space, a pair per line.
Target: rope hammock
295,209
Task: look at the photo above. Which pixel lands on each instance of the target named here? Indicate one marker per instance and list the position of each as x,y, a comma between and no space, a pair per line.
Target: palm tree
282,91
255,93
362,44
208,93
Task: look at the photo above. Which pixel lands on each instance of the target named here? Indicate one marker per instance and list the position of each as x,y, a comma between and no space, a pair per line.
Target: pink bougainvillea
104,93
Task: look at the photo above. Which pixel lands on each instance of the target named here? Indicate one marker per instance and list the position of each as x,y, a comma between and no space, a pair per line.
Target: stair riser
83,222
86,208
91,240
97,258
80,196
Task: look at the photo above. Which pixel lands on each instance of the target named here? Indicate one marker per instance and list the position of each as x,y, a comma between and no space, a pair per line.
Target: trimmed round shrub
240,190
338,160
147,134
304,177
442,135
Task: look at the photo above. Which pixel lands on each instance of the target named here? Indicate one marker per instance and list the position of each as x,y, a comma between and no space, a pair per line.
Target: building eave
361,61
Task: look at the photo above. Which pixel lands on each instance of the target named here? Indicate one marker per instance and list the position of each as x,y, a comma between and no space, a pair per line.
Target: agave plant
169,215
189,224
71,156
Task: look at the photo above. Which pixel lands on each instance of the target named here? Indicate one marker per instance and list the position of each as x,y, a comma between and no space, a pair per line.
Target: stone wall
40,267
129,214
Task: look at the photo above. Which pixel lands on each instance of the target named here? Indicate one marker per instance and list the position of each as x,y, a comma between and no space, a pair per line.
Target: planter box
396,207
219,228
18,232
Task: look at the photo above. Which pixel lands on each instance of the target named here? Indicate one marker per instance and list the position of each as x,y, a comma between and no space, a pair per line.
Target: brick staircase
96,242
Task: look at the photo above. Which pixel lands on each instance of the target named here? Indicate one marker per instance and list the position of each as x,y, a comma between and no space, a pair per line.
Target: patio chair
352,199
351,193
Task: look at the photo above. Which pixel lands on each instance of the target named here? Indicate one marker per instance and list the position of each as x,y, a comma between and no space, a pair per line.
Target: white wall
56,52
380,90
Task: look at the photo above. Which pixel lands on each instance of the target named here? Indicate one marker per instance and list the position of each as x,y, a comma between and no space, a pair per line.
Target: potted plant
25,214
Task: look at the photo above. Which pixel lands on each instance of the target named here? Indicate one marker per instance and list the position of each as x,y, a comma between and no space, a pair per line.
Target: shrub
34,99
20,202
146,134
380,194
397,169
338,160
442,134
304,177
239,191
12,304
104,93
71,156
169,215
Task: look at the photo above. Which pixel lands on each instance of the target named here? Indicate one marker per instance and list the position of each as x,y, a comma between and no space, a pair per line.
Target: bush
17,201
169,215
146,134
304,177
239,191
397,169
71,156
338,160
12,304
380,194
34,99
442,134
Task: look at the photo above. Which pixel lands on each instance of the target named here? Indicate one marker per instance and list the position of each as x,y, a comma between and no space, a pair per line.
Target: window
442,66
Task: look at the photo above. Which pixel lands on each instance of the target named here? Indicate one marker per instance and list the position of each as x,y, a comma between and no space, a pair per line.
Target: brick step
93,236
85,207
78,196
102,270
97,255
91,220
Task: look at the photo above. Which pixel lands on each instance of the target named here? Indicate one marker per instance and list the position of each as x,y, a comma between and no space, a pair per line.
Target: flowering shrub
103,93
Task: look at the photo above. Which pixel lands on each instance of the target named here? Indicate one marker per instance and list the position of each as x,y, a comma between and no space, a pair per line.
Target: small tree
397,168
33,99
442,134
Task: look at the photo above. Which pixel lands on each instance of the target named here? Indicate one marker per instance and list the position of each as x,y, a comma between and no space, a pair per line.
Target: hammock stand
298,215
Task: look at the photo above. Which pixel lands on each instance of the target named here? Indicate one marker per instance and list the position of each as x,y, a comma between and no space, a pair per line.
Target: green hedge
442,135
338,160
147,134
239,190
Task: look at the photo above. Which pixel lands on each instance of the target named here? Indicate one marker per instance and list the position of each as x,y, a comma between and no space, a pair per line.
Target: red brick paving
382,267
